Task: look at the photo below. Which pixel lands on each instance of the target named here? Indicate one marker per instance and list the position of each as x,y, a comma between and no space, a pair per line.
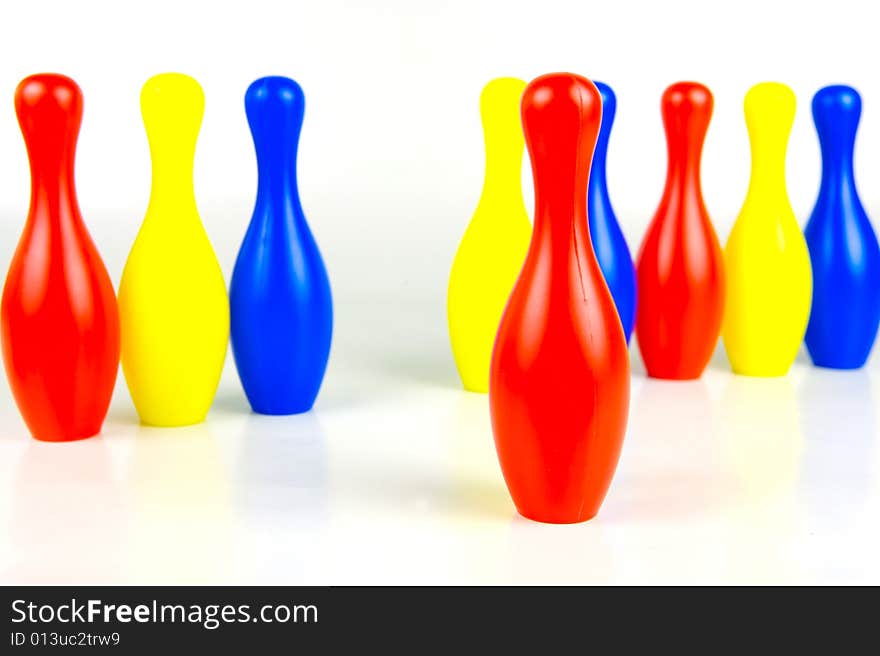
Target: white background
393,477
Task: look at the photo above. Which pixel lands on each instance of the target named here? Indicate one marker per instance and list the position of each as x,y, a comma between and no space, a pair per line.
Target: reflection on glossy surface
476,479
179,505
65,501
669,470
837,417
282,468
761,439
281,485
478,498
762,446
559,555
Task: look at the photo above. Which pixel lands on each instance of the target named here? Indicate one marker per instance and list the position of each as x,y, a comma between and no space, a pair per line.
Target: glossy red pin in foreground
60,324
559,381
681,267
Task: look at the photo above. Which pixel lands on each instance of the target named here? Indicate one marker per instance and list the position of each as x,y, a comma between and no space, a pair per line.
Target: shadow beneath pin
122,416
456,475
405,342
761,441
803,356
231,399
69,516
13,426
838,423
636,364
719,360
337,393
120,420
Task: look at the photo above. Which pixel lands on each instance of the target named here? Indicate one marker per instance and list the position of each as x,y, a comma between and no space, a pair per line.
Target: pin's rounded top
770,94
561,115
49,109
48,93
686,108
687,95
837,110
175,88
275,88
838,98
769,111
173,104
561,101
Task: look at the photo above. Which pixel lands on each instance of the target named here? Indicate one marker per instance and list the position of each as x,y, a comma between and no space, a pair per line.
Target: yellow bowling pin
769,279
174,312
493,248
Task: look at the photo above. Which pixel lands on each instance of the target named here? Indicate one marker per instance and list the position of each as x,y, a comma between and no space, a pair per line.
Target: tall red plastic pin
60,323
559,381
680,266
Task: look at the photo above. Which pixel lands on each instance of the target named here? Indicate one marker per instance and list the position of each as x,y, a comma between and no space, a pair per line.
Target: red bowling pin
681,267
60,324
559,381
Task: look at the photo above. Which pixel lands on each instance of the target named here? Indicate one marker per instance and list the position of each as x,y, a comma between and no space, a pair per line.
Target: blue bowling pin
281,311
608,242
843,247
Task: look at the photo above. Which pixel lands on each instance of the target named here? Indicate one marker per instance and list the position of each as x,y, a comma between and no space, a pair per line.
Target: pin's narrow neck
565,234
561,214
173,183
561,193
838,182
503,176
683,175
277,188
276,171
768,174
53,192
837,164
768,152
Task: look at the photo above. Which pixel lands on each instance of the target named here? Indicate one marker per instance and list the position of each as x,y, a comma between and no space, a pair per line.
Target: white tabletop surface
392,479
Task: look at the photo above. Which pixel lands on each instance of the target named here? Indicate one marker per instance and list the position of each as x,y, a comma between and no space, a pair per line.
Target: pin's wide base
840,365
67,437
159,423
761,373
674,376
556,517
283,411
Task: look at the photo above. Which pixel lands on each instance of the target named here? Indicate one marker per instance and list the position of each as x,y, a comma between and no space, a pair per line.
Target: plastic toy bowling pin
281,308
608,240
843,247
60,324
769,284
493,248
681,265
172,298
559,386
